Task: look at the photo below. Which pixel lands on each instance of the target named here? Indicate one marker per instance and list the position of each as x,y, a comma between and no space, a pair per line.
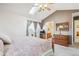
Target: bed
33,46
27,46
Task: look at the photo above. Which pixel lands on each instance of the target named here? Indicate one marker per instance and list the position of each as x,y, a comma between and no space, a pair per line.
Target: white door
76,30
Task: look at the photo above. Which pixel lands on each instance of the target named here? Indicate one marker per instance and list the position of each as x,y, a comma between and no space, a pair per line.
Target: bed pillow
5,39
1,48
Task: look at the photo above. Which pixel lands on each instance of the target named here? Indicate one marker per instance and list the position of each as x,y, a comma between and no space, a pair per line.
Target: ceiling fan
39,8
43,7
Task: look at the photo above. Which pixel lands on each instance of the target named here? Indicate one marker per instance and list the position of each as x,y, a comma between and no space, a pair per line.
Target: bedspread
28,46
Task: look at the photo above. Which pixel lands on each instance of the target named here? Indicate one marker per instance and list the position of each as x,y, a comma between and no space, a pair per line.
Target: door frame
73,15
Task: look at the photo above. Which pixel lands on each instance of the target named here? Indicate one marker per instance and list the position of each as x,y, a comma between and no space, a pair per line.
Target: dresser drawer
61,39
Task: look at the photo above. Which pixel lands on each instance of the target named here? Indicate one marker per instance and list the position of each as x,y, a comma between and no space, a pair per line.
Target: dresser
61,40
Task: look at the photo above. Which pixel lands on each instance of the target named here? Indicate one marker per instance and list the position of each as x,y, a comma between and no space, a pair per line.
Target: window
38,28
31,30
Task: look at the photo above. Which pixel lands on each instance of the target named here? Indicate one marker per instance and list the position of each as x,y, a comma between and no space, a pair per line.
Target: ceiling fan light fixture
39,8
40,5
45,5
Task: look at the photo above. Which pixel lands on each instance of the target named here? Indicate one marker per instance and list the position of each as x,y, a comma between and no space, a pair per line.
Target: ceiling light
43,7
39,7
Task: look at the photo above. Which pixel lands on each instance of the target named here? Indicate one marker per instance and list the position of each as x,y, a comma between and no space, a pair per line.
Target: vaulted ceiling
24,8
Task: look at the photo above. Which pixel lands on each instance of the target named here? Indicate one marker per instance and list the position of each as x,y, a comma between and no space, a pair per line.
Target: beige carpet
75,45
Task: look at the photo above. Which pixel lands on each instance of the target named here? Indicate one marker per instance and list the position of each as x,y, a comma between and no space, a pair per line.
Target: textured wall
59,17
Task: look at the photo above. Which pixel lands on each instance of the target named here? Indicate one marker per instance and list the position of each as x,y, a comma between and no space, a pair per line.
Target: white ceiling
24,8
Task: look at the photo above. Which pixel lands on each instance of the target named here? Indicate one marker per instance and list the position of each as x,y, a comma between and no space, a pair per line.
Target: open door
75,20
76,30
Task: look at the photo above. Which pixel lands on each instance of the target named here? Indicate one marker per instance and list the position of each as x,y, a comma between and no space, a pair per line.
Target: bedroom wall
12,24
59,17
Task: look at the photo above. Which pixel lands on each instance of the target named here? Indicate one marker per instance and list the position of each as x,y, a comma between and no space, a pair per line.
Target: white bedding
28,46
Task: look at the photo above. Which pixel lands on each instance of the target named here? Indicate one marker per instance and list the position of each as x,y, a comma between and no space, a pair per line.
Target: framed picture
62,26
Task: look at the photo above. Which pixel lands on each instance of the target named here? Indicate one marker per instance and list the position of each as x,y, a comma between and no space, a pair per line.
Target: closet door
76,31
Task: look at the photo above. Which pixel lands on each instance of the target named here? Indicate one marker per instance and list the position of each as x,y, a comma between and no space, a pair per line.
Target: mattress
28,46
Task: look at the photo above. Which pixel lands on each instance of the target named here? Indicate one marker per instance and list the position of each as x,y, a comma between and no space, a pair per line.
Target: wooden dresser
61,40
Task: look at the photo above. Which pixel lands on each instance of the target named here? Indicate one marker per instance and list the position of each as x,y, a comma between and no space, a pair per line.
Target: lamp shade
61,27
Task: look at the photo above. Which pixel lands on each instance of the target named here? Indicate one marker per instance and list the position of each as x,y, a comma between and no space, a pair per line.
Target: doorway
76,29
48,27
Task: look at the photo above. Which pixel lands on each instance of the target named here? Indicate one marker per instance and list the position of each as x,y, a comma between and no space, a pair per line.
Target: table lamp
60,28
